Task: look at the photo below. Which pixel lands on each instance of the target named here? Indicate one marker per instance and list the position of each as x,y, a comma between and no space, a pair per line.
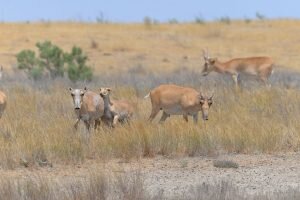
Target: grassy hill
158,47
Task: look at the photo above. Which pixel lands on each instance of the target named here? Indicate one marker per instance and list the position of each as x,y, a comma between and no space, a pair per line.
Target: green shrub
199,20
148,22
26,59
51,57
225,20
28,62
53,60
247,20
76,65
260,16
173,21
36,73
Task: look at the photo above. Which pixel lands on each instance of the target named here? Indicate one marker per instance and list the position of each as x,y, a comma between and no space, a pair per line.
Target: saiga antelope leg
185,117
164,117
195,118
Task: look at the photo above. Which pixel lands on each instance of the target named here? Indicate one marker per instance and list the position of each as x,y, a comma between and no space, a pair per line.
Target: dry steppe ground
42,157
159,48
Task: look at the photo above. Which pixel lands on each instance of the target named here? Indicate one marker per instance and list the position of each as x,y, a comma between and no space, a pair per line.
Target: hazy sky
136,10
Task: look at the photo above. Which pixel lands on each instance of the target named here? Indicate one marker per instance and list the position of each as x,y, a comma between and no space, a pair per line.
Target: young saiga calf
115,110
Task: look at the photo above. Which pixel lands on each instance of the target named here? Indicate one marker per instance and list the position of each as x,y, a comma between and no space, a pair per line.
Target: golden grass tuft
37,128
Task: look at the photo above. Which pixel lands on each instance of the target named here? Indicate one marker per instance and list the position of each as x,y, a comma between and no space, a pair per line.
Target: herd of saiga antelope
91,107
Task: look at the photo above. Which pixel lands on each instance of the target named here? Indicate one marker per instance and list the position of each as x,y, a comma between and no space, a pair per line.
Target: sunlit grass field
37,127
158,47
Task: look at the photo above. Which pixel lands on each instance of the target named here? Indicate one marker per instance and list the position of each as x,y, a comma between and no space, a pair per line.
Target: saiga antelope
261,67
177,100
2,97
115,110
89,107
1,72
2,103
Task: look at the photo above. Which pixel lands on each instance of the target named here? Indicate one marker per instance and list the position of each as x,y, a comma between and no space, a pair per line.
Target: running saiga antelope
261,67
115,110
89,107
177,100
2,103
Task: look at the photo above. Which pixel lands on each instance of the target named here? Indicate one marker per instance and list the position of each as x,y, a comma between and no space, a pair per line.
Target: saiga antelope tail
147,96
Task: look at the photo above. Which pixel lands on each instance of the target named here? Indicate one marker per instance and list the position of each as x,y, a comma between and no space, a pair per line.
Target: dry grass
97,186
226,190
37,127
122,46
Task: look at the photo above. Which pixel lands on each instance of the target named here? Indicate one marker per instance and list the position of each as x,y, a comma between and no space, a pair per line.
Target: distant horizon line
150,20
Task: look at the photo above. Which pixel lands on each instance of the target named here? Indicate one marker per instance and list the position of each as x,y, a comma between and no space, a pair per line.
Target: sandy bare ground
176,176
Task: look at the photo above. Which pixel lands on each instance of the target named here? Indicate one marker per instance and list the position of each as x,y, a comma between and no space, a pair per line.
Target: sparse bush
36,73
148,22
260,16
247,20
173,21
155,21
76,66
51,57
53,60
225,20
27,61
199,20
100,18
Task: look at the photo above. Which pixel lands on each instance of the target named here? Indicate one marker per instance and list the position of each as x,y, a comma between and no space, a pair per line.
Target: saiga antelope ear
212,95
108,89
83,91
70,89
205,54
213,92
201,97
212,60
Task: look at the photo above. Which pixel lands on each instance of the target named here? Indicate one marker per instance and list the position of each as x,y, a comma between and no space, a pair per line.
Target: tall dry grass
37,127
99,186
95,186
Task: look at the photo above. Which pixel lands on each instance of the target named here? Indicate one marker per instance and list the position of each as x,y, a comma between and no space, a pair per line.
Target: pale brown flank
260,67
177,100
2,103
